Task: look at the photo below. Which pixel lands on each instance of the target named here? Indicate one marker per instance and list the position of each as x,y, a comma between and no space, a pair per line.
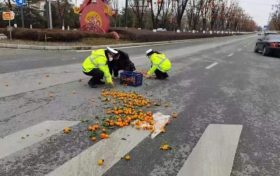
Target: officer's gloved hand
111,84
147,76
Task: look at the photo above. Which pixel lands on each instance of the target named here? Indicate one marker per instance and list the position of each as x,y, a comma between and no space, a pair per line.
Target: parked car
268,44
270,33
265,33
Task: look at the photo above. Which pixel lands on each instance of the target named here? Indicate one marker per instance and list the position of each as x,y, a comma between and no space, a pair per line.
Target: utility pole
22,18
126,4
21,3
50,14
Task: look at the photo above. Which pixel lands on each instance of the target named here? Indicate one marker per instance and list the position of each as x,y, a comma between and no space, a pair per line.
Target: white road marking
214,153
29,136
81,51
212,65
28,79
110,150
231,54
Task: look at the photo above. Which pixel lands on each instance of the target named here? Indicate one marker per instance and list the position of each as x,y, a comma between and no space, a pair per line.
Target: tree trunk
204,24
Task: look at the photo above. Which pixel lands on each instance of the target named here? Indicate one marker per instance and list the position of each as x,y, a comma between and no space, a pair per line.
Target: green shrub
150,36
52,35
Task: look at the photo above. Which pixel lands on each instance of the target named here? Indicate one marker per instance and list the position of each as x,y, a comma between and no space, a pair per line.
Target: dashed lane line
231,54
211,66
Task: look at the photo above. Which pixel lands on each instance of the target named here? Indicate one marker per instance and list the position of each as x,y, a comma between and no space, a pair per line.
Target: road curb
87,47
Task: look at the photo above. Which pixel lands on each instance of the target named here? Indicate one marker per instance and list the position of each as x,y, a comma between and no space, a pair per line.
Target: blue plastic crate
131,78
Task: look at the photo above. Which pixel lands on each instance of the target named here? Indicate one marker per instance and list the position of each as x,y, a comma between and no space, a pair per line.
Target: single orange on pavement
100,162
174,115
127,157
67,130
165,147
93,139
104,136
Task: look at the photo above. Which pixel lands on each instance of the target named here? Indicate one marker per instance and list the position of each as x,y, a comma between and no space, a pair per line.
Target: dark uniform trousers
97,75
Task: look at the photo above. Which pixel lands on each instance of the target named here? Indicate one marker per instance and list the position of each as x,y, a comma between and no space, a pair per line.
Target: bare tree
274,22
181,7
115,5
61,8
194,13
156,11
8,4
205,12
166,12
139,8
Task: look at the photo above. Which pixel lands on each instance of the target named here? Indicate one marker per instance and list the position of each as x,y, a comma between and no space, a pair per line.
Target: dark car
268,44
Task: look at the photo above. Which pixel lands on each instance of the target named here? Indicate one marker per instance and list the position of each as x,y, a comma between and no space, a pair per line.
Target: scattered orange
165,147
129,108
100,162
67,130
127,157
104,136
93,139
174,115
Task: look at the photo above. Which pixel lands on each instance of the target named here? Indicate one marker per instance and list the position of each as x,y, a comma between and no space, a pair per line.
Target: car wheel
265,51
256,50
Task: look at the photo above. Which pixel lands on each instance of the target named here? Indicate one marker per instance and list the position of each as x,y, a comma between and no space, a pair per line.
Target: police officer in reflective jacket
160,64
96,66
120,61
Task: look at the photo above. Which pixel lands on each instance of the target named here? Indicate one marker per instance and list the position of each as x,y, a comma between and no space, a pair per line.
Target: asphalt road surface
226,96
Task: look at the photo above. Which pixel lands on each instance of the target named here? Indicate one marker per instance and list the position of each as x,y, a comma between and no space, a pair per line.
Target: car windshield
270,33
273,37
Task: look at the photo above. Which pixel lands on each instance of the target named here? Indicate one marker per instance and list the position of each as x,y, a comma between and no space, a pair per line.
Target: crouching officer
160,64
96,66
120,61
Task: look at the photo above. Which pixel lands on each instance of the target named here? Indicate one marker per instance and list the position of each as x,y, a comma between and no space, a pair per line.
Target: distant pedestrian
120,61
96,66
160,64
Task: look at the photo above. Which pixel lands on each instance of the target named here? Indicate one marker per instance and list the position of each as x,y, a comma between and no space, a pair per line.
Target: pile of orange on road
126,109
131,110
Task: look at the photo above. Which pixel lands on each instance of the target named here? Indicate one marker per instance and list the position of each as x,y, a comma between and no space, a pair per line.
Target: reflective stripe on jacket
160,62
97,59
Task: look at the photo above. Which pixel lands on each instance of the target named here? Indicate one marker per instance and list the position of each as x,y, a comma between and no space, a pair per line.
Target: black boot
100,82
92,84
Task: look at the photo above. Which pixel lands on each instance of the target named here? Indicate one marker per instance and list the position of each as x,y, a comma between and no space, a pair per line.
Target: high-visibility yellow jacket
160,62
98,59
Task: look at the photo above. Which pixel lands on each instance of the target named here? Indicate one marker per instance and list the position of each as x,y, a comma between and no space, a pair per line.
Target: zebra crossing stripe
29,136
214,153
110,150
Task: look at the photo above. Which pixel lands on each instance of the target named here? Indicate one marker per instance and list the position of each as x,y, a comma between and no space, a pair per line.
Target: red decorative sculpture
94,16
